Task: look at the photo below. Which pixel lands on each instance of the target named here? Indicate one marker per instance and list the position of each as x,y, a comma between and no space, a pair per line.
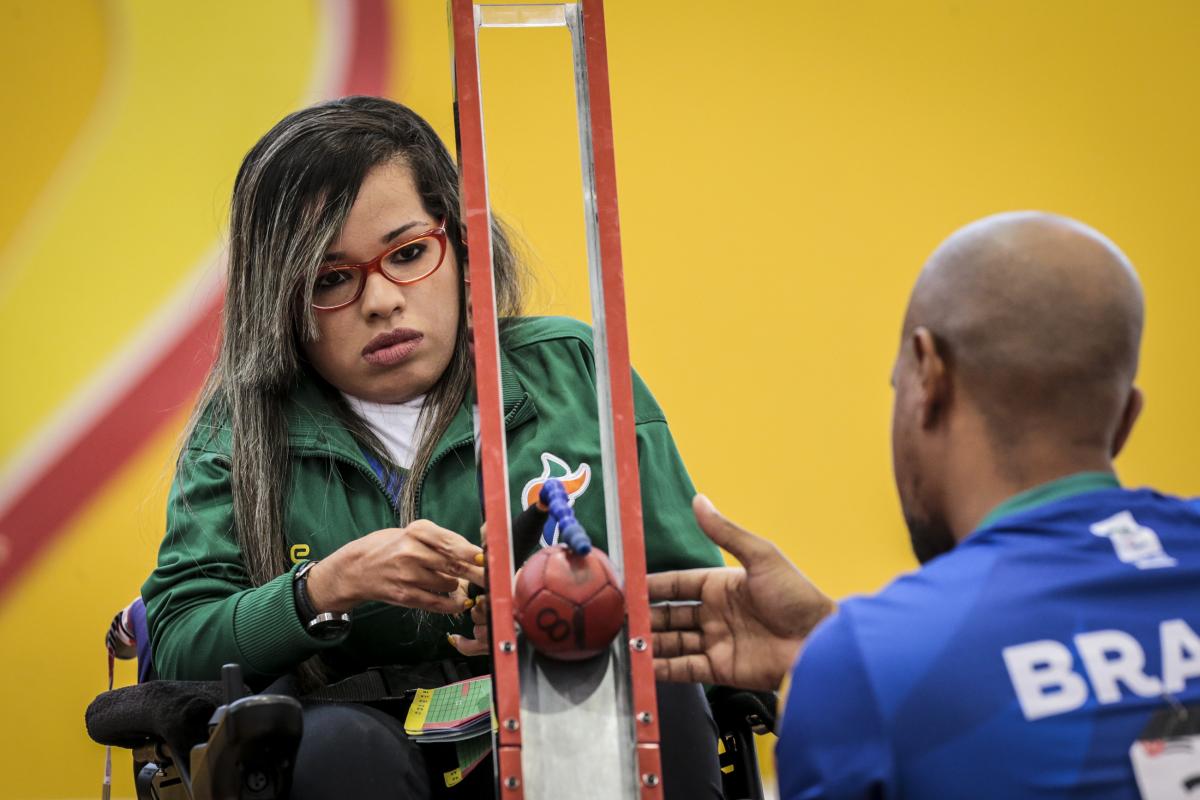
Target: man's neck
977,486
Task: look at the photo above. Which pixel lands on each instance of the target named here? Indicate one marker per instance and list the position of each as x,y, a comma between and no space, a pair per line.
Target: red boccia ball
569,606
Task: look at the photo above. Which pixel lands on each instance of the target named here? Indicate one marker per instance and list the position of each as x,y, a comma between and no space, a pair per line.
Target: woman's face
393,342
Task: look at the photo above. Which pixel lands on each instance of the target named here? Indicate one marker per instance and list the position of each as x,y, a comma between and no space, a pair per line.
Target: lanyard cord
119,642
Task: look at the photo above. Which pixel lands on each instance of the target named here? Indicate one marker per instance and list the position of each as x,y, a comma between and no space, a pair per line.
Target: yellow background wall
784,168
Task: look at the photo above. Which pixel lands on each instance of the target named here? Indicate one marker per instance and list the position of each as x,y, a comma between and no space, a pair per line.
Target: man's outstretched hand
738,626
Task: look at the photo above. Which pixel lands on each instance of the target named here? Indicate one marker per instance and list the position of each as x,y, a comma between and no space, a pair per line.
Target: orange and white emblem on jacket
575,481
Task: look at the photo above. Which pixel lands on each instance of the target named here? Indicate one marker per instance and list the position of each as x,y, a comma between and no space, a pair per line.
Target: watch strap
321,624
304,606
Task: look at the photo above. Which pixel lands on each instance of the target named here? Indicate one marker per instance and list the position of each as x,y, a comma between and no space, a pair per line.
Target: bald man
1049,640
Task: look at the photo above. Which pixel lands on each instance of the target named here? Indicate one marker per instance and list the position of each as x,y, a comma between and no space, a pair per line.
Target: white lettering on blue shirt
1046,682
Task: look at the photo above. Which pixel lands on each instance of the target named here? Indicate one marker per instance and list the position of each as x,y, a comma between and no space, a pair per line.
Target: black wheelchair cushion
176,712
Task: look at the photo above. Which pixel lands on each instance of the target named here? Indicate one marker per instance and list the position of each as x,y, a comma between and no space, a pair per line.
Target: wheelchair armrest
739,714
735,709
174,712
241,748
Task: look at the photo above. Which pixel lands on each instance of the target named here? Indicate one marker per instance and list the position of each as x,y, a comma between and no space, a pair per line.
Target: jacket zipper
509,417
370,473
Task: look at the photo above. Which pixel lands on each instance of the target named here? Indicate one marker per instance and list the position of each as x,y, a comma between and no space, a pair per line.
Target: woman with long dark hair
324,516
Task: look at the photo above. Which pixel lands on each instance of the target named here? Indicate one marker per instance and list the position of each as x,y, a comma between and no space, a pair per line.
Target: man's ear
932,377
1133,409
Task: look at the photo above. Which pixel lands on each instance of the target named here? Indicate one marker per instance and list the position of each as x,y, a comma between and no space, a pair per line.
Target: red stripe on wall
70,481
370,51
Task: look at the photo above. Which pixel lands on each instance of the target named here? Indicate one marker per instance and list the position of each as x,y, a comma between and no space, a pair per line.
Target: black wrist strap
325,625
304,606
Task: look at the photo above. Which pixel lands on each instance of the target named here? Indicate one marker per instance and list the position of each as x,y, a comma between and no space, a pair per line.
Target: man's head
1016,364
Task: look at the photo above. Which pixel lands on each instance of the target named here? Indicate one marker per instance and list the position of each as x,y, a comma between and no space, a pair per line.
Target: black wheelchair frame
253,739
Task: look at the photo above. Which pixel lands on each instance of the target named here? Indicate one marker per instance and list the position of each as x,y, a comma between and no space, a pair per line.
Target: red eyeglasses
404,264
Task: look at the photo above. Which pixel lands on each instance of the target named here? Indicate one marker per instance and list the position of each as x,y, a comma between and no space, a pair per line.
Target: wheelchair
212,740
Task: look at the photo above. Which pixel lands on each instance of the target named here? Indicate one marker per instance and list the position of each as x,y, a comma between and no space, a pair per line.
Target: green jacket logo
575,481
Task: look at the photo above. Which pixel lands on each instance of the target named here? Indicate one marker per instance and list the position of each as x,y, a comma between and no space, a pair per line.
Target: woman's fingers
476,575
468,647
416,597
479,613
417,551
402,566
479,617
479,645
421,577
448,544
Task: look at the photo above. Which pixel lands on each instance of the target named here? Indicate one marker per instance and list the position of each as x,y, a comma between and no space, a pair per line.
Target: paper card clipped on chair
469,754
451,713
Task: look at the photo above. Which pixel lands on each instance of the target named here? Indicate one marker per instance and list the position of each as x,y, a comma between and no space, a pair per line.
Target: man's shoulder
1082,508
921,594
1087,530
935,660
1069,559
987,570
898,634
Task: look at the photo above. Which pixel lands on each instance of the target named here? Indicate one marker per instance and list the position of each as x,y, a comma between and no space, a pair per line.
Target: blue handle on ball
570,532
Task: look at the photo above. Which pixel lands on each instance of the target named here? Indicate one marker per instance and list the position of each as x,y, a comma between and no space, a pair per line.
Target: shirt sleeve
832,742
673,537
201,608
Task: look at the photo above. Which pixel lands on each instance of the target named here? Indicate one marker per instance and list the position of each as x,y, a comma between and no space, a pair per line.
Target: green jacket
203,611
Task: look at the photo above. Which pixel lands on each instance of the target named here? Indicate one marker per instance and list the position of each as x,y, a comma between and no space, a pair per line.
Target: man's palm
748,623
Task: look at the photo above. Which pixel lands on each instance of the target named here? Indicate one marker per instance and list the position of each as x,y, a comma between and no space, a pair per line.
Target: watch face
329,626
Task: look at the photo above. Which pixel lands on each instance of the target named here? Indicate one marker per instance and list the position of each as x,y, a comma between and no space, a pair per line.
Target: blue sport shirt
1022,664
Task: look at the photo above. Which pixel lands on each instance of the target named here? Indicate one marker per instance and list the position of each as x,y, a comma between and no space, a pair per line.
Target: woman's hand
419,566
477,646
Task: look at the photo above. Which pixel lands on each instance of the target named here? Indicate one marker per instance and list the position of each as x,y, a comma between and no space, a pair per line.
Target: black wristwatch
319,624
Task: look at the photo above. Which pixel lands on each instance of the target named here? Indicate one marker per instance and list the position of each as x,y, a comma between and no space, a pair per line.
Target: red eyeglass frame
376,265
